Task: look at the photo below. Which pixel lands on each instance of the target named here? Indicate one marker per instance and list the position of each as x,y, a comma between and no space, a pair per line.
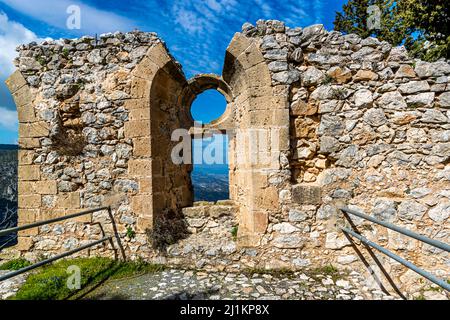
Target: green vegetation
278,273
234,232
65,53
328,270
50,283
423,26
131,233
327,80
15,264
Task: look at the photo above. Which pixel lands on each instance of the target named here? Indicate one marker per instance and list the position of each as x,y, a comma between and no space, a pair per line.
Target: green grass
278,273
131,233
328,270
234,233
15,264
50,283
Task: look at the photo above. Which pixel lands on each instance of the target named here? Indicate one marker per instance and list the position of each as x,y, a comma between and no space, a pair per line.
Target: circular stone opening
208,106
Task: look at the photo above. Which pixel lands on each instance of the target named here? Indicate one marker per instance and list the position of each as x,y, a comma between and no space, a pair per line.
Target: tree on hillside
421,25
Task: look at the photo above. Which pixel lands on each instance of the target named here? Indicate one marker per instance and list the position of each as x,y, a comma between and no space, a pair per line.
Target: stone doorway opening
210,174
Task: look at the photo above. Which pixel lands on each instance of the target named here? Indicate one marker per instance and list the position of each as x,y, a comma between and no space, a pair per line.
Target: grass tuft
15,264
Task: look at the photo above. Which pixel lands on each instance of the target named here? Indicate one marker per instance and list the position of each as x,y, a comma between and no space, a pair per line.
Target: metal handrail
432,242
406,232
65,254
404,262
42,223
50,260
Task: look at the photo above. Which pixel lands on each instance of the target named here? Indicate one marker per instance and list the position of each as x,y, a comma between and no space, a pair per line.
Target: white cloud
8,119
12,34
54,13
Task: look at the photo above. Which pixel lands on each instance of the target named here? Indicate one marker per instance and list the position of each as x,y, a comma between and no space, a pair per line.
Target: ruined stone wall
339,120
369,129
86,125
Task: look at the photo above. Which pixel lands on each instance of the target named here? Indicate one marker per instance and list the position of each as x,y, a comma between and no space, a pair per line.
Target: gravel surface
184,285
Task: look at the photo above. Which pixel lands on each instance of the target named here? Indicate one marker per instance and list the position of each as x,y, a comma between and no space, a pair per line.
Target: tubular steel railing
68,253
435,243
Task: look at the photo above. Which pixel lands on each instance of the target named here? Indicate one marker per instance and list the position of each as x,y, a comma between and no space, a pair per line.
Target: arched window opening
210,175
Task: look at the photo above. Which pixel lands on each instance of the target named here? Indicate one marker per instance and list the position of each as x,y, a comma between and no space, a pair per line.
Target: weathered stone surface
306,194
291,241
365,75
411,210
421,99
392,101
414,87
375,117
336,241
426,69
434,116
444,100
440,212
363,98
385,210
346,117
297,215
312,76
285,228
331,125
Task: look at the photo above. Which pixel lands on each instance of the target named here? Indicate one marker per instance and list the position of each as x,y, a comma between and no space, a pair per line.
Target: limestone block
135,129
144,224
140,167
26,187
158,54
27,216
145,185
261,220
33,130
141,204
26,113
26,157
24,243
46,187
29,201
28,232
15,81
306,194
23,96
365,75
29,172
139,114
146,69
142,147
69,200
131,104
140,88
28,143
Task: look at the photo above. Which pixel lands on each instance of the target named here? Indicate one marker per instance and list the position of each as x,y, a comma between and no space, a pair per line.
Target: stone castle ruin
339,120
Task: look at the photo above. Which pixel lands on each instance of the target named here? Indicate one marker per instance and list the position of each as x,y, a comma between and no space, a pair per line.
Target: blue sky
196,32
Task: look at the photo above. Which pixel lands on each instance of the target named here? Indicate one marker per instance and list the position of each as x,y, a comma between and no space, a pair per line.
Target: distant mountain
210,182
9,147
8,192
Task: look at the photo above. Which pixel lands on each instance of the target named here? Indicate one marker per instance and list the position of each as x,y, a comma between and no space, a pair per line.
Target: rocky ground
180,284
9,287
175,284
